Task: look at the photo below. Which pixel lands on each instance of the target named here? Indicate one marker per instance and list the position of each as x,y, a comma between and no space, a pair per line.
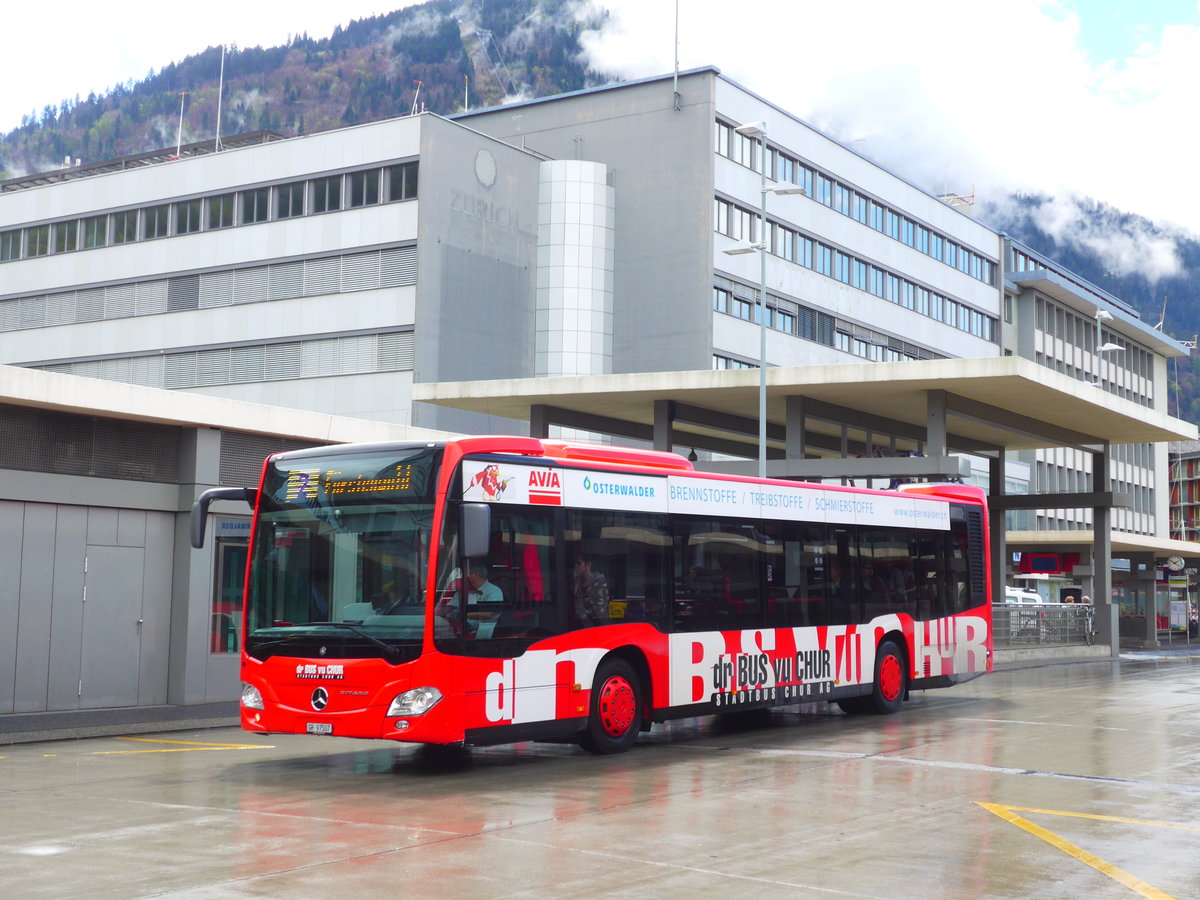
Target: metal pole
762,318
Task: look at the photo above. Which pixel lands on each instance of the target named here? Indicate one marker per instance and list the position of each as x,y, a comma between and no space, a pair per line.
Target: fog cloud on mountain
992,97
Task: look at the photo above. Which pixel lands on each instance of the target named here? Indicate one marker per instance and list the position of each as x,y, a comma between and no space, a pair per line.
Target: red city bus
495,589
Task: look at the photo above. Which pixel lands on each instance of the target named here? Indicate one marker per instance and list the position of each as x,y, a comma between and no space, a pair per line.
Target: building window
364,188
37,240
10,245
66,236
402,182
124,227
220,211
187,216
724,136
95,231
254,205
289,200
327,194
156,221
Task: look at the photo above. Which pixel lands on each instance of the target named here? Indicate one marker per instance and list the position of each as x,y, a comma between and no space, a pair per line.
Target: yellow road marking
1078,815
185,747
1106,868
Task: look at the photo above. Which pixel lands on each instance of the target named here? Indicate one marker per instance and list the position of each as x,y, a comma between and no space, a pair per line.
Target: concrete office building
580,235
862,265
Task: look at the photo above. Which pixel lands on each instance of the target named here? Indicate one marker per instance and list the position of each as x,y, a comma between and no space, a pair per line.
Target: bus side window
522,558
842,577
718,574
616,566
801,594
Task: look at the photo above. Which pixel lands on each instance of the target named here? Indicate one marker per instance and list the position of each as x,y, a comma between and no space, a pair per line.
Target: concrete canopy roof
96,397
1123,542
996,402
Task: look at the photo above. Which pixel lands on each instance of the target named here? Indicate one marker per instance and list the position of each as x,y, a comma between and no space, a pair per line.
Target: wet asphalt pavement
1054,781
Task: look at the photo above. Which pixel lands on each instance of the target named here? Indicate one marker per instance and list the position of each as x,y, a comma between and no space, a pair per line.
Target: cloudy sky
1074,97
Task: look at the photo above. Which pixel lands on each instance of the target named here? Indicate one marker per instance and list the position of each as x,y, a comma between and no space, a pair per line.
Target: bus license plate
319,727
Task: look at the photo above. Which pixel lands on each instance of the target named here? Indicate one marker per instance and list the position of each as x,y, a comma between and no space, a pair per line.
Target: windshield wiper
387,648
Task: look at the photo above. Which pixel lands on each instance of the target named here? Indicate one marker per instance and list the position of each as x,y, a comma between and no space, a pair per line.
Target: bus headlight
251,698
415,702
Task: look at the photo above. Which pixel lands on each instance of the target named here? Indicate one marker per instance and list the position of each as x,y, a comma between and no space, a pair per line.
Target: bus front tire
615,715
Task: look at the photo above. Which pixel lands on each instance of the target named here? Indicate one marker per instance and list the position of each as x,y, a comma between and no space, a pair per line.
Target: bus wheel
891,678
616,709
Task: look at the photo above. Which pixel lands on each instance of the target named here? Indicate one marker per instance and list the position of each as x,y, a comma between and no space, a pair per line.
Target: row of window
325,275
317,358
719,361
844,199
349,190
778,319
739,223
1070,348
791,318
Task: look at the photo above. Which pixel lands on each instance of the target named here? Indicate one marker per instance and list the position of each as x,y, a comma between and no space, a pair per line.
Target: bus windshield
340,553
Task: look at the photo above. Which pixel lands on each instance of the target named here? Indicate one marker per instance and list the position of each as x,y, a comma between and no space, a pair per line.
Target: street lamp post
759,130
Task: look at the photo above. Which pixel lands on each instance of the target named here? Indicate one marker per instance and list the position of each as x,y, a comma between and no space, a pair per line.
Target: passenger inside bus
592,592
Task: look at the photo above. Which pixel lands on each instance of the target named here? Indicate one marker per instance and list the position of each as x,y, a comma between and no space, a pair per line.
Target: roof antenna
419,85
676,55
220,91
179,136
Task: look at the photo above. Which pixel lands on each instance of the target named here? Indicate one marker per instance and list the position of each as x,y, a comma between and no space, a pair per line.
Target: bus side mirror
200,508
475,530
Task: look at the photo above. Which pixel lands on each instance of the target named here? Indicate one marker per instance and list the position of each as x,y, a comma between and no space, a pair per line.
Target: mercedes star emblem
320,699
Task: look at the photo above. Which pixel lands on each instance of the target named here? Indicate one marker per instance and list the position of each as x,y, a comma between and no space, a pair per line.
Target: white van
1021,597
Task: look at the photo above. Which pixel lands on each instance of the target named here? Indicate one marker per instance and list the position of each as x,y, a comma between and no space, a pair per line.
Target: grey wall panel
487,314
192,578
33,615
12,523
42,487
66,634
477,237
156,609
102,526
131,528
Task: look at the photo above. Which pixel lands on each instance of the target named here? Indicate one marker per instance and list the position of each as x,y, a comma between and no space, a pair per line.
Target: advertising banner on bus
546,485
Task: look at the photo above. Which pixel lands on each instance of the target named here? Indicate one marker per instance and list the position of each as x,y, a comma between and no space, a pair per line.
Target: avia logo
320,699
487,480
545,487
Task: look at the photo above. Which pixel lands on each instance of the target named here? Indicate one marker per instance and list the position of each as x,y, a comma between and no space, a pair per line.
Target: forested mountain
445,55
441,56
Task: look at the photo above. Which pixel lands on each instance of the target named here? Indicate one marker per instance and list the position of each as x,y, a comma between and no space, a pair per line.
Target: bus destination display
351,480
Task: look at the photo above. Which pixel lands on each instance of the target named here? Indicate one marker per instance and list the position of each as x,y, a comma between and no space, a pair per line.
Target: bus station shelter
891,421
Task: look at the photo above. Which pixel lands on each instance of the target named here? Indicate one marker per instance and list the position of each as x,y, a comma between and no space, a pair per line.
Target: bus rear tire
890,686
891,679
615,715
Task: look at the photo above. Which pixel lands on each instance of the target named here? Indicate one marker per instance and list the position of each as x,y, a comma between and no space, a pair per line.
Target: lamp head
753,129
